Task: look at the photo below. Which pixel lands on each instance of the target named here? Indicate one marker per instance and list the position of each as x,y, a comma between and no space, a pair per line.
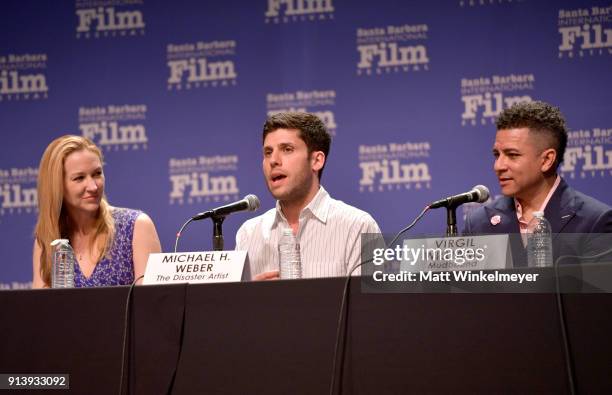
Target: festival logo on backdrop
104,18
201,65
18,190
394,166
482,3
22,77
588,154
203,179
392,49
585,32
115,127
318,102
484,98
286,11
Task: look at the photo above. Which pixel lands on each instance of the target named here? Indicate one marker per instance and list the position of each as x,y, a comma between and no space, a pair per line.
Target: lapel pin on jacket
495,220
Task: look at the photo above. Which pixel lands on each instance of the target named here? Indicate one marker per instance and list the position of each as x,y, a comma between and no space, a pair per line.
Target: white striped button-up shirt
329,234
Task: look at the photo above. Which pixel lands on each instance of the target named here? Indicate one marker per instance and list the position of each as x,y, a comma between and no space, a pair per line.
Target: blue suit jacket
568,211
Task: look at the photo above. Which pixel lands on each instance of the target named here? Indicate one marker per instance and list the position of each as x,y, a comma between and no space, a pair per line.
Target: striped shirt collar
318,208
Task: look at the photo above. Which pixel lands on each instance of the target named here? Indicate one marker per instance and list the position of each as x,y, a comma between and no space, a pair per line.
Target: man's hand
271,275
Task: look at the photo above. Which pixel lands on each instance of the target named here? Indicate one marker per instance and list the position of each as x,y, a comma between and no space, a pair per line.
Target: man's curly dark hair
540,118
312,130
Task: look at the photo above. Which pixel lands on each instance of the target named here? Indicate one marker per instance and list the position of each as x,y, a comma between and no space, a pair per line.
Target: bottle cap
60,241
538,213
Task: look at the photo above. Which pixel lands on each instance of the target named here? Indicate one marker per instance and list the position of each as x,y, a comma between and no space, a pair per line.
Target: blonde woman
111,244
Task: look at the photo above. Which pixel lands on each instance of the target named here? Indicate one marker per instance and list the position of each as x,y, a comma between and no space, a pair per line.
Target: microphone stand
451,221
217,238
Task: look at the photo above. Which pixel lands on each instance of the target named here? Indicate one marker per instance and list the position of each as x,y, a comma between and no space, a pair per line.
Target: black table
278,337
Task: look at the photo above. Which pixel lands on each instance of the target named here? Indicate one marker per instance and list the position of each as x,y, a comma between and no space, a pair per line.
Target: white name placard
195,267
457,253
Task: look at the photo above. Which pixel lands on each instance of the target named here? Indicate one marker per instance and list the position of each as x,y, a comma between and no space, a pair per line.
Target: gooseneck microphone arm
451,221
217,215
479,194
217,238
249,203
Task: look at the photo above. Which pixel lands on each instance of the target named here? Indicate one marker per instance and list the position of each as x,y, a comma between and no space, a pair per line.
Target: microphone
249,203
478,194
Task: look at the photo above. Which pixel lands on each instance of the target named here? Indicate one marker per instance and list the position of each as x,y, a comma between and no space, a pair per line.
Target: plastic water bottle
289,253
63,264
539,242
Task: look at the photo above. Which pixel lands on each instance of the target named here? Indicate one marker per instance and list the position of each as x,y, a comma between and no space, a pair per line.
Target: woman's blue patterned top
119,269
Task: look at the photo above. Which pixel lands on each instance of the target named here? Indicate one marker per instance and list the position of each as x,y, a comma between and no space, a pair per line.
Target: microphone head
482,192
252,202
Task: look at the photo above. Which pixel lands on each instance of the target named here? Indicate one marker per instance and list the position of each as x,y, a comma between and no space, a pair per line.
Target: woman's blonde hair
52,217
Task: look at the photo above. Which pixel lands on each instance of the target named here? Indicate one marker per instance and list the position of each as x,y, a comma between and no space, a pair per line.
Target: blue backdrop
176,93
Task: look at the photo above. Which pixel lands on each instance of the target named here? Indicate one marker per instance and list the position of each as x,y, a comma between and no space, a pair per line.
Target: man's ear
548,159
317,160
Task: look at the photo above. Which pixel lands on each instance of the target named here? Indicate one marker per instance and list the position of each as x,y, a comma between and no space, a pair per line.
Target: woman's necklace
79,255
80,252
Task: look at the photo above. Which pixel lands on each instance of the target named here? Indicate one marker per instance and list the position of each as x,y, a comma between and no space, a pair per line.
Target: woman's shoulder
124,214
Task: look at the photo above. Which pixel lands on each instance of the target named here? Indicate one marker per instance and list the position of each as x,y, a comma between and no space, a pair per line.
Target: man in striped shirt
295,150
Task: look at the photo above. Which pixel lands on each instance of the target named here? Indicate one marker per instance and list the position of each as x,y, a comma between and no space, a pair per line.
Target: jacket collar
502,215
559,211
562,207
